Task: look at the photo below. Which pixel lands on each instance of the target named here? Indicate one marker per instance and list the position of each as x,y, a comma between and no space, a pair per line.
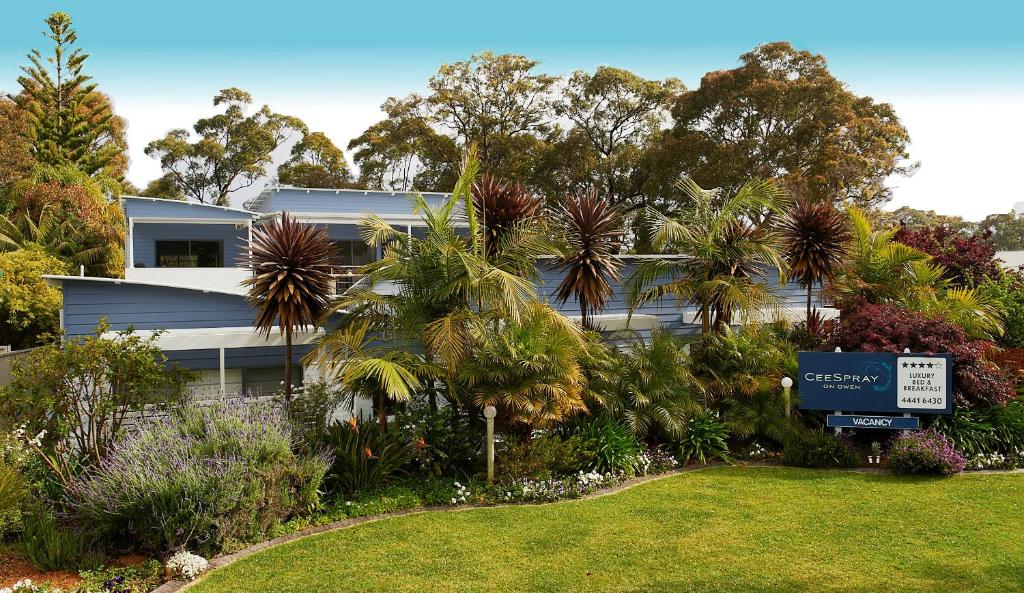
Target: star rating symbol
905,365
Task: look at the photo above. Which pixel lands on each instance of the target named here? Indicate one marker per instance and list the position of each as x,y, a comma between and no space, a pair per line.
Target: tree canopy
783,115
315,162
232,151
69,121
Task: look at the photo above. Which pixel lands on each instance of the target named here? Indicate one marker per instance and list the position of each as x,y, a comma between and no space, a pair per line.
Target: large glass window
352,253
189,254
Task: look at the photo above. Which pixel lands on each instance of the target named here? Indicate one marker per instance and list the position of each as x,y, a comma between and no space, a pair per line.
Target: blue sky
955,72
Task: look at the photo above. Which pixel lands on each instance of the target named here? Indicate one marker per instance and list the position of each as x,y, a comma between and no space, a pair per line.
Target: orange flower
368,453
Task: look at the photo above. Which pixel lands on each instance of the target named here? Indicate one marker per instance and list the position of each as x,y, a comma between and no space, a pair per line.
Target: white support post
839,429
223,385
131,243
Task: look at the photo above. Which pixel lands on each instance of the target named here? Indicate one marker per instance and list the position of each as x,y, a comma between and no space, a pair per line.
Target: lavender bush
203,478
925,452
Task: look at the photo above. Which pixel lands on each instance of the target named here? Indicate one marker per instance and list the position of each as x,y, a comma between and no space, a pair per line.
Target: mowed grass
727,529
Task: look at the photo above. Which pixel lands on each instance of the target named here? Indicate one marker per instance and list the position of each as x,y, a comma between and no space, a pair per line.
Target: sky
953,71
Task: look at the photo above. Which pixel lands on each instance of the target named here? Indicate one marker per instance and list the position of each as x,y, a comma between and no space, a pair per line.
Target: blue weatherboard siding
156,208
342,201
148,307
237,358
147,234
679,321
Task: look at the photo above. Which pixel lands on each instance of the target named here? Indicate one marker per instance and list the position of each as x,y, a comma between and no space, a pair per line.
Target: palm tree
532,371
815,236
718,246
501,206
876,269
650,387
593,237
443,286
382,373
291,282
48,234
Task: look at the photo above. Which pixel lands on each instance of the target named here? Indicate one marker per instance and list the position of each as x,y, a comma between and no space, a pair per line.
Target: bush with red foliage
969,259
888,328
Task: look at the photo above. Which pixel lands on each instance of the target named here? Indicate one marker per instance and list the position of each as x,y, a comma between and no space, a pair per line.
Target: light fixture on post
787,384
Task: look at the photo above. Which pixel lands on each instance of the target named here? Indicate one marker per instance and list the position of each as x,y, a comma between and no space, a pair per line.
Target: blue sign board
883,422
876,382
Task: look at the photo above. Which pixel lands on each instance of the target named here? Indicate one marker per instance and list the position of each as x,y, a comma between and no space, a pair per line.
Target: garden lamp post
787,384
489,413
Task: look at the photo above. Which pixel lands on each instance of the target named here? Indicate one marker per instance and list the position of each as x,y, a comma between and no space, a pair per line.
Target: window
352,253
189,254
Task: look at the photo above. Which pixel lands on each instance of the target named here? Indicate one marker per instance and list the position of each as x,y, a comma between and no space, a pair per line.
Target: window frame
157,252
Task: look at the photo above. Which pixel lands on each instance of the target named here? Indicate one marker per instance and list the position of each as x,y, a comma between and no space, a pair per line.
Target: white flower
454,501
186,565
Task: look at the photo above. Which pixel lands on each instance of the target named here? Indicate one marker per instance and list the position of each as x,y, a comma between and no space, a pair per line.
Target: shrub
969,259
365,458
447,441
49,545
703,439
203,478
29,307
610,446
888,328
732,364
1008,291
542,457
817,449
79,394
985,430
925,452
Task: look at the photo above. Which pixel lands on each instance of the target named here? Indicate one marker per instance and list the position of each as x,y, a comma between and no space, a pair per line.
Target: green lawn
728,529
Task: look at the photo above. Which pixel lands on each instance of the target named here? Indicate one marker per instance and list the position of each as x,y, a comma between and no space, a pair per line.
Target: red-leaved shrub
969,259
888,328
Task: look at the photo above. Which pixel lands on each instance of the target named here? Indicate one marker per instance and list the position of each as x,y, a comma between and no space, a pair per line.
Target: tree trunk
288,365
382,416
809,306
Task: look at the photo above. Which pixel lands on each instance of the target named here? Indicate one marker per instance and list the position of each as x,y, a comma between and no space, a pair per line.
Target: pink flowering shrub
925,452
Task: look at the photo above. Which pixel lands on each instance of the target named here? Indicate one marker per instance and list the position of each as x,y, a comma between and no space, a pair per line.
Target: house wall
145,236
675,319
148,307
342,202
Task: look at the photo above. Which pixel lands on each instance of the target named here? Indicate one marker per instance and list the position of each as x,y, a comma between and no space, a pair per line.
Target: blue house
184,271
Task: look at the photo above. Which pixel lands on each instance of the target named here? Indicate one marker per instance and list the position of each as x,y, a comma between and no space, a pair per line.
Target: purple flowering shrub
925,452
203,479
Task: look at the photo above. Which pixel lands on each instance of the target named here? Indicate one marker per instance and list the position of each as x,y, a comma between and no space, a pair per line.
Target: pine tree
70,122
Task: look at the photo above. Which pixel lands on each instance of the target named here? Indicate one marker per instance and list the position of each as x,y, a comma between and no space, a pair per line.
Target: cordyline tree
593,236
231,153
814,237
291,282
501,206
69,121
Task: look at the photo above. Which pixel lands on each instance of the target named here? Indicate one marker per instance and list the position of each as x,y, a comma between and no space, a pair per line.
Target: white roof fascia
55,280
209,338
250,213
